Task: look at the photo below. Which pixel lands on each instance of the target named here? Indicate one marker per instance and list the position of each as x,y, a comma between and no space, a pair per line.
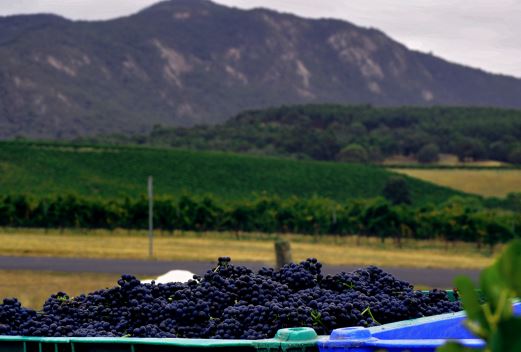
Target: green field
42,169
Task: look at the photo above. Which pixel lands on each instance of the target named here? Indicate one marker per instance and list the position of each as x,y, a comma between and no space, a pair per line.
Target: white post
150,217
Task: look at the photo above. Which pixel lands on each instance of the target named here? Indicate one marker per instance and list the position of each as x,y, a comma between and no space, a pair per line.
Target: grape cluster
229,302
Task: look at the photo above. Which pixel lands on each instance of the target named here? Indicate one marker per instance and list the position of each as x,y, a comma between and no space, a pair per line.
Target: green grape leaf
496,291
509,267
470,299
507,338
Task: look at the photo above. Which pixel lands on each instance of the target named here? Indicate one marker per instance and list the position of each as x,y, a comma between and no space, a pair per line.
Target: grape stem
368,310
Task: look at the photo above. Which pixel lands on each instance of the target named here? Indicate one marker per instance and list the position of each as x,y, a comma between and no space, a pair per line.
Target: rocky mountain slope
186,62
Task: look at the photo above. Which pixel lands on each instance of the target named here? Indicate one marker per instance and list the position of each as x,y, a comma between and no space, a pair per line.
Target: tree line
354,133
458,219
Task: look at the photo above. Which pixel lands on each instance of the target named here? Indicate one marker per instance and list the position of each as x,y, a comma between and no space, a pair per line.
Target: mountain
186,62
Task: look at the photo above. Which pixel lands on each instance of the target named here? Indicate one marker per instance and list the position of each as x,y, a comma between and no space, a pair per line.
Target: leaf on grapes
507,337
470,301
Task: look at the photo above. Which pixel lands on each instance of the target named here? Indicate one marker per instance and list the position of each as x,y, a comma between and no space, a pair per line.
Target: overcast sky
478,33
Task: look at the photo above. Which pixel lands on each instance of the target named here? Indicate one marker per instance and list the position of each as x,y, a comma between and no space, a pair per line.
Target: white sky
478,33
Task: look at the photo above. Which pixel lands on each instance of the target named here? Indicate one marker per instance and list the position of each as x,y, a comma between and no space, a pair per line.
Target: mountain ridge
181,63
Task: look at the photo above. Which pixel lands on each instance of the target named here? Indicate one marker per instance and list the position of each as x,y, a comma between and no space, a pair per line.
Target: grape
229,302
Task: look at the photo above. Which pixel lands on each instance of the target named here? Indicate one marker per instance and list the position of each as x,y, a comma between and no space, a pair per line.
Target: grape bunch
229,302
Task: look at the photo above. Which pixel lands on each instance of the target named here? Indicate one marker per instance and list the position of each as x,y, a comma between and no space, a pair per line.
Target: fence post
282,252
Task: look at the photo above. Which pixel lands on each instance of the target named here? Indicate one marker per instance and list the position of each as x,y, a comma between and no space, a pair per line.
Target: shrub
429,153
396,191
353,153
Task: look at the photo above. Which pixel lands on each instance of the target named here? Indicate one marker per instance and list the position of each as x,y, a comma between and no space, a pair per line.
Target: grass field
444,160
44,169
250,247
32,288
497,183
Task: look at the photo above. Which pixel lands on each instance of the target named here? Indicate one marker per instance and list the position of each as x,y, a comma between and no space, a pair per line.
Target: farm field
249,247
489,183
39,169
32,288
444,160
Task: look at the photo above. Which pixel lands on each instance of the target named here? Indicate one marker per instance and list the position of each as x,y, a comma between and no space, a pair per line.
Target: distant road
430,277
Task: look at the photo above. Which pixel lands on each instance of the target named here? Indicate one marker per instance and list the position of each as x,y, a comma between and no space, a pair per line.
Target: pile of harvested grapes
229,302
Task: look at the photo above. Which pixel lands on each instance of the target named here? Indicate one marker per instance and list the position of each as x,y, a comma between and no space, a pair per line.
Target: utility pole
150,216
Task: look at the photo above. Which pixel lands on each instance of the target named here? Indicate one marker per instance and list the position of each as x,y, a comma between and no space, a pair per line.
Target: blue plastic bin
418,335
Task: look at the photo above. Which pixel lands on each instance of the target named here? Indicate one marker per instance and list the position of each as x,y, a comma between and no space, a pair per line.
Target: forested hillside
354,133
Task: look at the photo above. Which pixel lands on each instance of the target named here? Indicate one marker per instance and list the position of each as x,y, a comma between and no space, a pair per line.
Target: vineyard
458,219
73,186
368,191
39,169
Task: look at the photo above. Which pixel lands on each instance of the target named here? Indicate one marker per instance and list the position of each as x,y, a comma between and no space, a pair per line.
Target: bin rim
300,336
404,343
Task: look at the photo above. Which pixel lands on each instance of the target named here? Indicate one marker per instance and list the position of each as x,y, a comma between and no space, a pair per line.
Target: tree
396,191
499,151
513,201
375,154
357,129
381,219
429,153
353,153
515,155
497,232
466,147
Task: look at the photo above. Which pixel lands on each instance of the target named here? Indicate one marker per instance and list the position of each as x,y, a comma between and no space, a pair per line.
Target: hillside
354,133
184,62
39,169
